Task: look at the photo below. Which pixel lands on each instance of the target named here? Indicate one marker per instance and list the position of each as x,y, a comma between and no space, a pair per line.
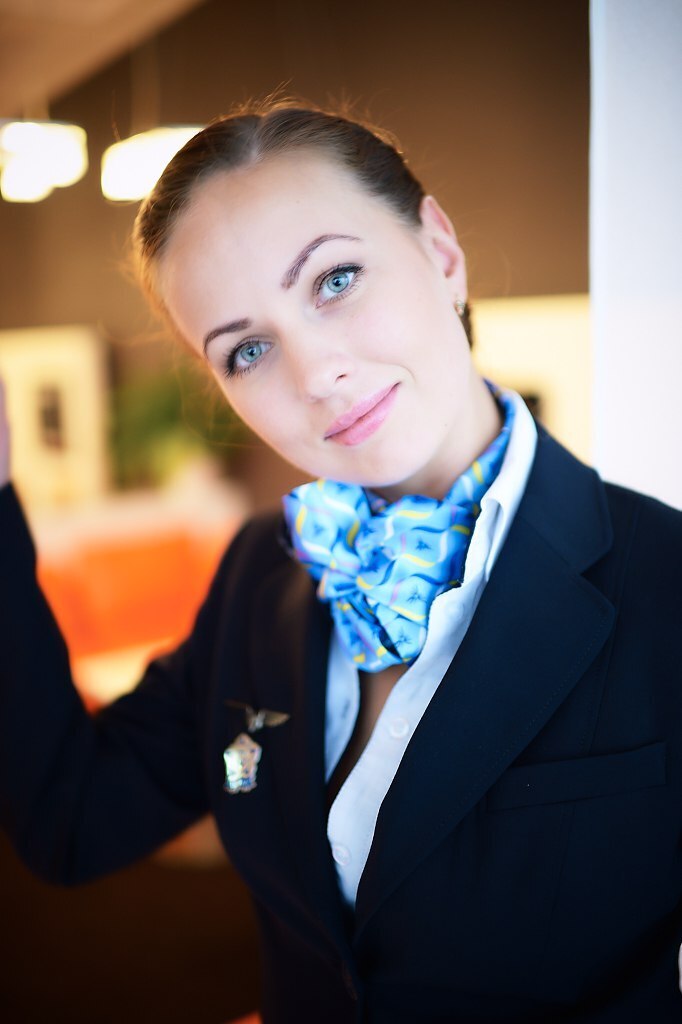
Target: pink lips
363,419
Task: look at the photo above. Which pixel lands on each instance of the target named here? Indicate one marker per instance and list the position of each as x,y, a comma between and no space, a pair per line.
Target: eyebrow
291,276
231,328
288,281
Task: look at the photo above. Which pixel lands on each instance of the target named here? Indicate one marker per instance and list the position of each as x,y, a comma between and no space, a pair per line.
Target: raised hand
4,437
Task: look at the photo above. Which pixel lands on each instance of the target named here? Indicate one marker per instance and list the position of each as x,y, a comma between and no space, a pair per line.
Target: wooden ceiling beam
48,47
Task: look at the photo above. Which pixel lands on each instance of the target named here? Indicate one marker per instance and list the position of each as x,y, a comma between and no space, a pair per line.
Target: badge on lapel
242,756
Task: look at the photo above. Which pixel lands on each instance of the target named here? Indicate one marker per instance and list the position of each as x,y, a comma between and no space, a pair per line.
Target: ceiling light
131,168
37,156
24,181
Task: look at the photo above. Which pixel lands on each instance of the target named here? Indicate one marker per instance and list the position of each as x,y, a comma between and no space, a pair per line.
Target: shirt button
398,728
341,854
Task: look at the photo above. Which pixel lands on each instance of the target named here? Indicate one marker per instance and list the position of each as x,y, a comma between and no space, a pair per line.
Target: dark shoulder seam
654,512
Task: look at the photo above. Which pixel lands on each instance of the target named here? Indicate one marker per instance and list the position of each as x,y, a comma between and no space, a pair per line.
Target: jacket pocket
581,779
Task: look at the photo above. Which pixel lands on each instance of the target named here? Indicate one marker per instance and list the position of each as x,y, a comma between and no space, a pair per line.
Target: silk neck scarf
380,566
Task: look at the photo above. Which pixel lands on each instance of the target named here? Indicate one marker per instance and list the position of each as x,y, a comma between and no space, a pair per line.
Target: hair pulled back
252,134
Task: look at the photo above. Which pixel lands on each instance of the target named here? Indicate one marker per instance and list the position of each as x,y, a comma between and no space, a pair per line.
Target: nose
319,365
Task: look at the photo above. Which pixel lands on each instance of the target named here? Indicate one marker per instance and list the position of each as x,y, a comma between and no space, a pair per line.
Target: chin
398,476
376,470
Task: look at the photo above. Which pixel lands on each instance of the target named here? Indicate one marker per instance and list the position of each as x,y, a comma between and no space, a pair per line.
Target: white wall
636,243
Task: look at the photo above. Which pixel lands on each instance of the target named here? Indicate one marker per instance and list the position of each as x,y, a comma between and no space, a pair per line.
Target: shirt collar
502,499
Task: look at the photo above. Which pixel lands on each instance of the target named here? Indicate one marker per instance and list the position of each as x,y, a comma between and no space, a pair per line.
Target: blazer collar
565,503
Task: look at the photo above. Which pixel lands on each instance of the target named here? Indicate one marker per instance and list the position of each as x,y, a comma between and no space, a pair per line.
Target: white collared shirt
353,815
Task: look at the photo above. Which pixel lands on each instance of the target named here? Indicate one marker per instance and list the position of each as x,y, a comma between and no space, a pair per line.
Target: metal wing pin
242,756
256,720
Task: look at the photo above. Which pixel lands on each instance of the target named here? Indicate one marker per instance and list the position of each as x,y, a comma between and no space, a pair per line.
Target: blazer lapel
538,627
289,665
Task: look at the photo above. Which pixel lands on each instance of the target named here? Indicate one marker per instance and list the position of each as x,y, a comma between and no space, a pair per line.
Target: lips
363,419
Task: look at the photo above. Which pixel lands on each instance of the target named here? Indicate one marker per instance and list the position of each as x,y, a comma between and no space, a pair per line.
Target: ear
442,247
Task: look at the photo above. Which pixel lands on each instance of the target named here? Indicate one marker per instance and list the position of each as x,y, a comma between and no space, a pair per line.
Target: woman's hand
4,437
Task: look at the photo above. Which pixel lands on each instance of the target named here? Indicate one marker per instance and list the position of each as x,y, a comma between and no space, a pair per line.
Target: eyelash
341,268
231,369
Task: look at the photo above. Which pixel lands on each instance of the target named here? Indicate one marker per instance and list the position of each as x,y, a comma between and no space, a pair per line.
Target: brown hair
249,135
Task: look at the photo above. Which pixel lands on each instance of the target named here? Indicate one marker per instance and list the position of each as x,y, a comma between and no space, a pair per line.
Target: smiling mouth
363,419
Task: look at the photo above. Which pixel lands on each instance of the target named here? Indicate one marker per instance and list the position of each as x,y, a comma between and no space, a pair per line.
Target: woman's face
328,323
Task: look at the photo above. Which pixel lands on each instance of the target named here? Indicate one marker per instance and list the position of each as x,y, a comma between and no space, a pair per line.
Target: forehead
286,178
279,203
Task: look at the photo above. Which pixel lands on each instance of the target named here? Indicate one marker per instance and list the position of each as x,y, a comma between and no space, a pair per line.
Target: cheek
381,333
401,331
265,413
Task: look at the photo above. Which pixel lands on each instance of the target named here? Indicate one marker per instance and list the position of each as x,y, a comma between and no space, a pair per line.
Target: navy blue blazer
526,864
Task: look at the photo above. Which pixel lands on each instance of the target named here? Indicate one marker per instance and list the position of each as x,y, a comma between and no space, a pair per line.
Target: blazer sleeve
81,795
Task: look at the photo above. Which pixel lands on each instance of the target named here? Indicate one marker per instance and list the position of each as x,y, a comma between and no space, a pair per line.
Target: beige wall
541,346
56,392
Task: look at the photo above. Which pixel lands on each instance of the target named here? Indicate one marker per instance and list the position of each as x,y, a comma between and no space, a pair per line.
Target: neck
478,423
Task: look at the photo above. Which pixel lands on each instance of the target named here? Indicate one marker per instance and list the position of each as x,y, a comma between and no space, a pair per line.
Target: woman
445,759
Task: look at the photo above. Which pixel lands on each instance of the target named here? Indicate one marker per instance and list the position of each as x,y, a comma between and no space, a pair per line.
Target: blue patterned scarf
379,565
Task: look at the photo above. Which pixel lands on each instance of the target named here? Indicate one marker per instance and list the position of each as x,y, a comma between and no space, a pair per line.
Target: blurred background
132,470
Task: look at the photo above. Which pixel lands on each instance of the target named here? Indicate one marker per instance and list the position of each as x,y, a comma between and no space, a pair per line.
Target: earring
460,307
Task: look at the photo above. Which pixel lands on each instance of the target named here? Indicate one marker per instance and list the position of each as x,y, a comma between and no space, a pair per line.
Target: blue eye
251,352
244,357
337,282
